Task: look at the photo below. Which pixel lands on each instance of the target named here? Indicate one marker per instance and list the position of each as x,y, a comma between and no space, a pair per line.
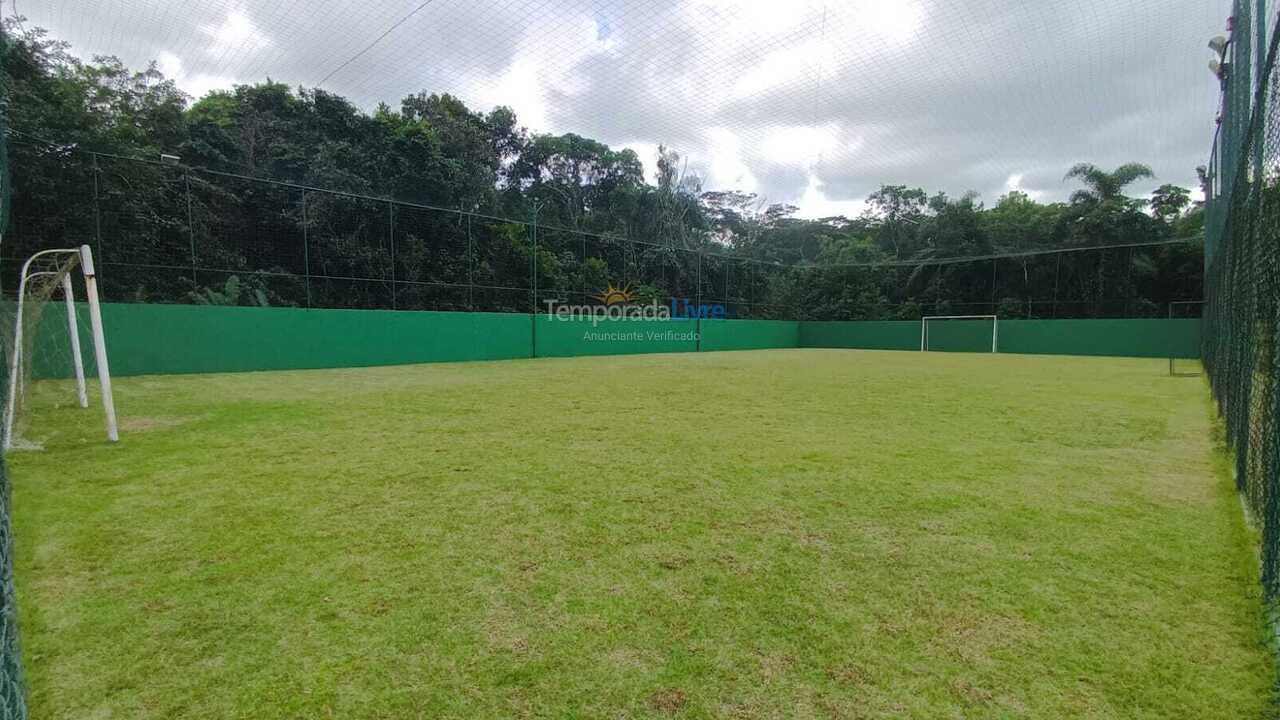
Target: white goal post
995,328
61,276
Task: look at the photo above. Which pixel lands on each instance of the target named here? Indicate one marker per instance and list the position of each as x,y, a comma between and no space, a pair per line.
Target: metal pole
1057,270
15,361
99,342
391,233
1260,67
471,267
306,251
191,233
73,331
698,296
533,257
97,211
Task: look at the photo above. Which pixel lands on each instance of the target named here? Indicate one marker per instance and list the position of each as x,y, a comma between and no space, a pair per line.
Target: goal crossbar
995,328
83,257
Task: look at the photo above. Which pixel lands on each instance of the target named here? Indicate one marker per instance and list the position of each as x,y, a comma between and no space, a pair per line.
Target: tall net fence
174,234
12,687
1242,317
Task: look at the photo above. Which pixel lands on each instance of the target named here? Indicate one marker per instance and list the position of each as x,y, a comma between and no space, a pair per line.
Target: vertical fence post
728,272
191,232
306,250
471,267
1057,270
1260,69
533,280
698,295
97,214
391,235
993,287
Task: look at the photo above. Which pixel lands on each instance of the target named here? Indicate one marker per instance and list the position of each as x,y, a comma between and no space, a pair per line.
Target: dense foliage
475,193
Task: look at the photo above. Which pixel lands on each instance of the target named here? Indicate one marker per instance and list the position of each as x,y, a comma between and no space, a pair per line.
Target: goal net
960,333
42,341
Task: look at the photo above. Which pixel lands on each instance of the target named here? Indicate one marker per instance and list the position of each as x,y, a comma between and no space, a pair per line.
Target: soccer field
786,533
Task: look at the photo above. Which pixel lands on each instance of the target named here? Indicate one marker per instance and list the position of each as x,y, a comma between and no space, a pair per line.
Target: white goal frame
85,257
995,328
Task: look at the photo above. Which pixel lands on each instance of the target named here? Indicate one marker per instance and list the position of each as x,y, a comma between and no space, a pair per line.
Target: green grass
800,533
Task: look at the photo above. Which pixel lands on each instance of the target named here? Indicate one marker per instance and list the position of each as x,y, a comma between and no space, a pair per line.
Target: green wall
1123,338
863,335
1128,338
158,339
570,338
146,339
750,334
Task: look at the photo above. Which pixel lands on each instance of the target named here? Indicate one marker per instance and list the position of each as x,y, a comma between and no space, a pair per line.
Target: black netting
1243,252
12,689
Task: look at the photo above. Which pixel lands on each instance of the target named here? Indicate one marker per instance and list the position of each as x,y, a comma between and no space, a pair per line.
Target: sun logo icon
614,295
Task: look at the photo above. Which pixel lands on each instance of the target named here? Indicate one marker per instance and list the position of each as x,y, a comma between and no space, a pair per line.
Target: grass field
790,533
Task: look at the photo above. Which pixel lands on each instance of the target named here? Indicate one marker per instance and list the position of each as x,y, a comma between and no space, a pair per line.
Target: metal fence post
191,232
471,267
697,346
97,215
306,250
533,281
391,235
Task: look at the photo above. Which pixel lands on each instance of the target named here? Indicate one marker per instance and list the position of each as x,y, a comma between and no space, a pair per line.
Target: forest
273,195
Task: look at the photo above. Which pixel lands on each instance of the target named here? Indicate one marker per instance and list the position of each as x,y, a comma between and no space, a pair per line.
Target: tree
1168,202
899,210
1102,186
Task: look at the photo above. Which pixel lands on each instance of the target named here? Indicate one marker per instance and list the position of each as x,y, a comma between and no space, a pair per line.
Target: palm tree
1101,185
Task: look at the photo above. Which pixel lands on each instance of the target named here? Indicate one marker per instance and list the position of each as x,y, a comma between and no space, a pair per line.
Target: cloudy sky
804,101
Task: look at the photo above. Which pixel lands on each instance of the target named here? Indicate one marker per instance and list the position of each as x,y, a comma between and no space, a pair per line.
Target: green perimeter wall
1124,338
161,339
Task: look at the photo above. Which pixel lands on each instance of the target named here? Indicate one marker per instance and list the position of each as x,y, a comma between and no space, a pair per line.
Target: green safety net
1242,316
12,691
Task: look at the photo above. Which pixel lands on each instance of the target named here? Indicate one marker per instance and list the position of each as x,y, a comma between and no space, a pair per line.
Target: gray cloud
778,97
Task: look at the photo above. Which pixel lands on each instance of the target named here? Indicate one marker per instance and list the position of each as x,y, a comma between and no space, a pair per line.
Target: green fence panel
749,334
159,339
1120,338
1124,338
162,339
863,335
558,337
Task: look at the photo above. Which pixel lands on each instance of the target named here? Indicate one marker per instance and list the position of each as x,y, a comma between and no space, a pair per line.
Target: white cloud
1014,184
727,168
196,85
235,30
815,203
779,68
761,16
896,21
544,64
802,145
